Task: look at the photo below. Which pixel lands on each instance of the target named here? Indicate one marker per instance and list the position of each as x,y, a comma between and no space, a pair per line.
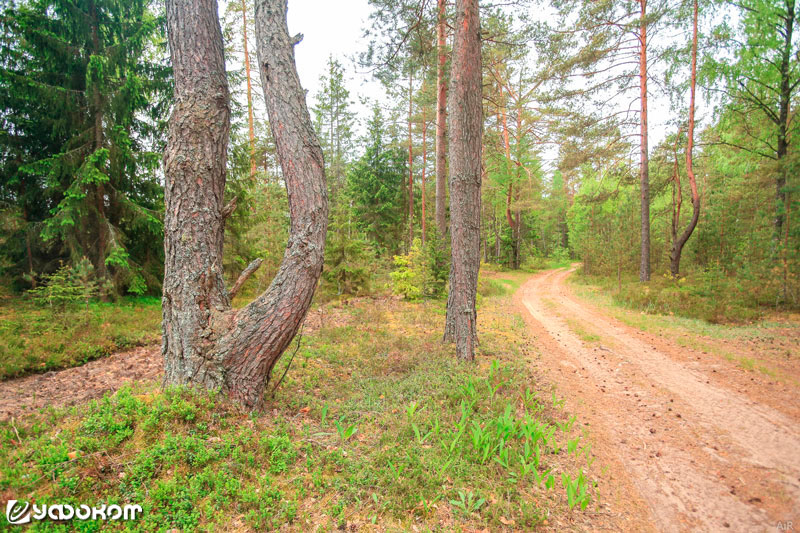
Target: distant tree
375,188
334,123
762,76
679,240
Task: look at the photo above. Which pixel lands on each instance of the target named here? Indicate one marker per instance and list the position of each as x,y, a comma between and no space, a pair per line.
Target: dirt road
700,453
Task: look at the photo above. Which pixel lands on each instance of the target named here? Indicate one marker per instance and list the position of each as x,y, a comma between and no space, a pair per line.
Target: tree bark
410,163
251,128
424,164
205,342
644,173
441,120
465,133
679,241
785,100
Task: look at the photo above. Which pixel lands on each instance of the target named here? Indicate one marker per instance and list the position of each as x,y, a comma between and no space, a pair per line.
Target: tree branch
244,276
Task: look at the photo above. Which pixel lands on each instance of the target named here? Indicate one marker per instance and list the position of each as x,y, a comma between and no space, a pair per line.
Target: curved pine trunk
465,131
680,241
205,342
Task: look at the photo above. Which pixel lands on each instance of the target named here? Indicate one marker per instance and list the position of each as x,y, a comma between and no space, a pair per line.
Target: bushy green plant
67,286
347,257
423,272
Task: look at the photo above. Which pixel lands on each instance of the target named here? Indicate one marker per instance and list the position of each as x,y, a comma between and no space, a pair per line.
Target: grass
376,426
39,339
579,330
692,332
711,298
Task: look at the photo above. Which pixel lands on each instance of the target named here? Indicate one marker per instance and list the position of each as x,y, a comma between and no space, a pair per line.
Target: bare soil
706,445
92,380
79,384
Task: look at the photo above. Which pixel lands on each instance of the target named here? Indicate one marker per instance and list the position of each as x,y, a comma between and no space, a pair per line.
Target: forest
540,269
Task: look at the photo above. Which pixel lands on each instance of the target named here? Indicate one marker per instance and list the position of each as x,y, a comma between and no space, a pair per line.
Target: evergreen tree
84,93
375,187
334,123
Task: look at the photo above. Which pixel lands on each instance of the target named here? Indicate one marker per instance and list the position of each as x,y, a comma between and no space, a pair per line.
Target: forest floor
701,420
678,424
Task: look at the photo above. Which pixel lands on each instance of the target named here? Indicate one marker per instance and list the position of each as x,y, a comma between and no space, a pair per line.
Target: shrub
67,286
423,272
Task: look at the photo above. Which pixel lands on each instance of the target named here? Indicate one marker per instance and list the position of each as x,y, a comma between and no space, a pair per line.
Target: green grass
39,339
375,423
579,330
713,299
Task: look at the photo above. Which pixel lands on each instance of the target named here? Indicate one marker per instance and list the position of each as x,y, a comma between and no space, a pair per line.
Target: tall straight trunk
784,101
441,120
99,191
498,228
206,343
644,172
510,191
424,164
680,241
410,163
251,131
465,133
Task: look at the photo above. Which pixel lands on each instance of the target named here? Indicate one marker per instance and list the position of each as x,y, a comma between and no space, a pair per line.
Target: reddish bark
441,120
465,134
644,173
205,342
410,163
424,164
251,131
678,242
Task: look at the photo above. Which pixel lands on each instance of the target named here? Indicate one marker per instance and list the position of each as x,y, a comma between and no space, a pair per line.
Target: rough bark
251,128
785,102
465,132
510,191
205,342
441,120
644,173
410,163
679,241
424,164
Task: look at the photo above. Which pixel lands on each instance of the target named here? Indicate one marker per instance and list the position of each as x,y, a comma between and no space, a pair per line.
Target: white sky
336,27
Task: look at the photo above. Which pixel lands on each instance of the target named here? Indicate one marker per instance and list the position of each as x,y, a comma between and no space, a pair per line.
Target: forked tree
206,342
465,113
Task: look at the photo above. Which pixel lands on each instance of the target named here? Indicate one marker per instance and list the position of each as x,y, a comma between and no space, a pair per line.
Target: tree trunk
465,132
205,342
441,120
251,131
680,241
644,173
410,163
785,100
424,164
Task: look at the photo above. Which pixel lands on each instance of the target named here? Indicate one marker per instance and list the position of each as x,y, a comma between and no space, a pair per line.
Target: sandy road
702,457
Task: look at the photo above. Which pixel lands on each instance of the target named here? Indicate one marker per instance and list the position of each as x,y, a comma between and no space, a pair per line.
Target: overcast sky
336,27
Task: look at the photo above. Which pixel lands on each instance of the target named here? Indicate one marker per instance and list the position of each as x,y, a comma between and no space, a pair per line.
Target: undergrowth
375,423
708,296
41,338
